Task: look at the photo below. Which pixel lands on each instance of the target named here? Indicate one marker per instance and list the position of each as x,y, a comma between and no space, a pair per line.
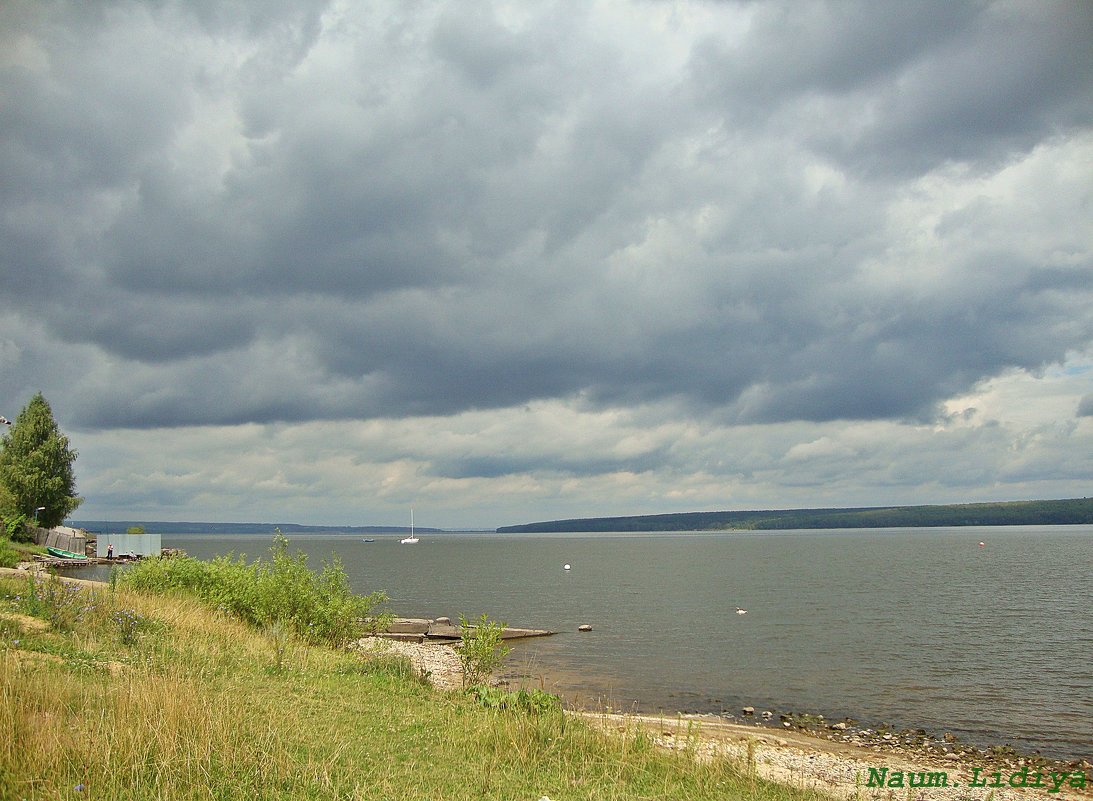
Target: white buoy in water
740,611
565,567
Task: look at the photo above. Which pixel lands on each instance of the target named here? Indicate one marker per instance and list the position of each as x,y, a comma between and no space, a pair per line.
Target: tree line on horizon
1006,513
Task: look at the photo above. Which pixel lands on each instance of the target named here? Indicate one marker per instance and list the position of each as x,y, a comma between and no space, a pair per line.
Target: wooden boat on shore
61,553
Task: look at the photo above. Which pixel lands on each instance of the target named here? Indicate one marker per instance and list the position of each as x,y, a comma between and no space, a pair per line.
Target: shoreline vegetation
1072,511
107,691
225,680
111,692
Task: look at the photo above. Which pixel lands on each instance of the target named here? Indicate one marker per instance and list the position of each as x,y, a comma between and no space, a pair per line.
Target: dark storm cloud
897,87
285,212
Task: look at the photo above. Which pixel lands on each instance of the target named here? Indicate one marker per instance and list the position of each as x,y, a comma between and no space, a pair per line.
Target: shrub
481,649
15,528
9,557
531,702
320,607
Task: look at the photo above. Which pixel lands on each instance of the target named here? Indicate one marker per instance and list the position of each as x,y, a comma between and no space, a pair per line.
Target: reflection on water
914,627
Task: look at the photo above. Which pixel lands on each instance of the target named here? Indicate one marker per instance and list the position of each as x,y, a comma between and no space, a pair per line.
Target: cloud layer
662,219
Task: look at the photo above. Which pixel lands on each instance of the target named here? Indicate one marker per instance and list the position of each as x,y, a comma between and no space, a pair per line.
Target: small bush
531,702
15,528
9,557
319,607
481,649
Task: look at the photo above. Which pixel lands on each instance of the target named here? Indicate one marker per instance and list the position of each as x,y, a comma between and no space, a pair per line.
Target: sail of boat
412,539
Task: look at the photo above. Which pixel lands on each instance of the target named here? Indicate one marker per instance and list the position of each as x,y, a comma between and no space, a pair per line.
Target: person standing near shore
110,551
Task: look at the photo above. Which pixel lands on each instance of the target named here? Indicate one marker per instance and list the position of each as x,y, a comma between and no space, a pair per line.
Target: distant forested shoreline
1008,513
160,527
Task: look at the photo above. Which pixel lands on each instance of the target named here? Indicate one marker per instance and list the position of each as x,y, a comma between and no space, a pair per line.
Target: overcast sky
320,262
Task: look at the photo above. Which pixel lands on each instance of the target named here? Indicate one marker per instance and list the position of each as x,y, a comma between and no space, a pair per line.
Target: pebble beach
840,765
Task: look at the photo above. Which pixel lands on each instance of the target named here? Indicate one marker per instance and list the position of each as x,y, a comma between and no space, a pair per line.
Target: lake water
913,627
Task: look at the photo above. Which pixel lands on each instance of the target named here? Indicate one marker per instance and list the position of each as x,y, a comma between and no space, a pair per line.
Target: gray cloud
742,213
891,88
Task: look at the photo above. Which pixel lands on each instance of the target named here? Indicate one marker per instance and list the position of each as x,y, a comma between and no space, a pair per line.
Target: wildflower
79,788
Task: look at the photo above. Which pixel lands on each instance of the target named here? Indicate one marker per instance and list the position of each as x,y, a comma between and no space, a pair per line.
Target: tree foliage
36,467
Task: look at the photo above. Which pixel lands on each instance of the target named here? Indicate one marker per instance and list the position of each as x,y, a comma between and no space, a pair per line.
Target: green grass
9,557
190,703
12,553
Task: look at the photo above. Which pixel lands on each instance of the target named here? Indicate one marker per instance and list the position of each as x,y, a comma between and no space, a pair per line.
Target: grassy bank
12,553
114,693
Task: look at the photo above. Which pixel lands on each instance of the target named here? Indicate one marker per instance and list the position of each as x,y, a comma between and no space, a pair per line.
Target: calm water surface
913,627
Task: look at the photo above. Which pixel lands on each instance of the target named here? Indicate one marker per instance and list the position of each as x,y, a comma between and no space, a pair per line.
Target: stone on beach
408,625
438,663
443,631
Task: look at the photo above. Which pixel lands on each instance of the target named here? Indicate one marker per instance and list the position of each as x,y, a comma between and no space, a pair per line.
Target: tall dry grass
200,706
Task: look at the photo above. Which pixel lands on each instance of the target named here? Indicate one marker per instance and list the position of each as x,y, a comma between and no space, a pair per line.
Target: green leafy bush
15,528
531,702
225,582
9,557
320,607
481,649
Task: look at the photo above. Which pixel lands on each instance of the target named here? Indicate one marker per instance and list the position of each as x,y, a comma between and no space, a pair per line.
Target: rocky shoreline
917,742
855,771
806,751
802,750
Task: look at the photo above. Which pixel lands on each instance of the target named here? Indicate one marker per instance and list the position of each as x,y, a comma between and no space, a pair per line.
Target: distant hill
154,527
1010,513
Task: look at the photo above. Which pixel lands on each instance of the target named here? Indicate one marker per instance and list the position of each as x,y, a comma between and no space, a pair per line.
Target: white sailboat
411,540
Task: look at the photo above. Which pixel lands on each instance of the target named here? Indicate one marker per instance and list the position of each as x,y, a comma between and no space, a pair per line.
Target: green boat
64,554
